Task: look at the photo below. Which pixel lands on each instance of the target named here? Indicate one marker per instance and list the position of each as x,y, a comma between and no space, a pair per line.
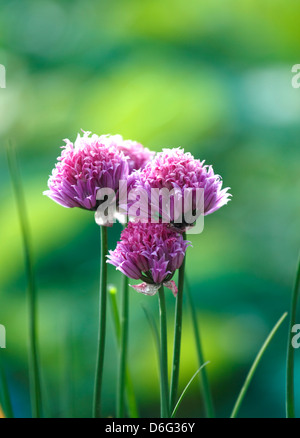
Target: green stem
123,348
254,366
102,325
164,386
290,397
203,376
177,336
34,372
6,401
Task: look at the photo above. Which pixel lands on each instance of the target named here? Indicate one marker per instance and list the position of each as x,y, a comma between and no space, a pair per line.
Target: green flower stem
34,371
203,376
5,399
290,397
102,325
123,348
164,386
254,366
177,336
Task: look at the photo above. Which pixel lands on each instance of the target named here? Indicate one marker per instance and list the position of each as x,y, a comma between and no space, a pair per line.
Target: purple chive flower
138,155
175,169
84,167
149,252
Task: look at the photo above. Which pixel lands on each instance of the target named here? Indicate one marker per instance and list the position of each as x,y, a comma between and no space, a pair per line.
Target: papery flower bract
180,171
85,167
149,252
138,155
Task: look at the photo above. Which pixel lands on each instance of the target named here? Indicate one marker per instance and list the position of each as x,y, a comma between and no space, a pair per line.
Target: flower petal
171,285
146,289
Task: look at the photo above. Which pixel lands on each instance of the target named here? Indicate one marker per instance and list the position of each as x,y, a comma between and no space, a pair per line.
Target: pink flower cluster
180,171
91,163
149,252
138,156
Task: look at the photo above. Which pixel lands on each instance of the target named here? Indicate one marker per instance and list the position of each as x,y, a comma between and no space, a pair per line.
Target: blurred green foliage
213,77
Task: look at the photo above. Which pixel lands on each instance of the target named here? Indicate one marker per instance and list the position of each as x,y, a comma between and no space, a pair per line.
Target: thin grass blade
254,366
130,395
186,388
164,384
34,368
177,335
123,348
4,392
207,396
290,396
156,338
154,331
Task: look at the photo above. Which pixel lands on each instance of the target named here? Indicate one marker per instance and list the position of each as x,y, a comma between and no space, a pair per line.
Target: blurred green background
211,76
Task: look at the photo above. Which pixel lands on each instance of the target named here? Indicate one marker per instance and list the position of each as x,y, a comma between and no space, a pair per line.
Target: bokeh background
211,76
